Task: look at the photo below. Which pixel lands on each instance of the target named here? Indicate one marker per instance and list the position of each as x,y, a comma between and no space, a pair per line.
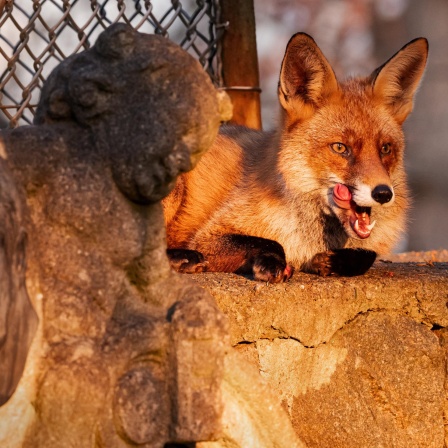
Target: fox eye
386,149
339,148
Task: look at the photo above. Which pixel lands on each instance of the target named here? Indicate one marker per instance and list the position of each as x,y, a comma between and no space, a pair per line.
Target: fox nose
382,194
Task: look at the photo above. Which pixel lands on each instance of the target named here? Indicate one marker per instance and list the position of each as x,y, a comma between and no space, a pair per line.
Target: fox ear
306,77
396,81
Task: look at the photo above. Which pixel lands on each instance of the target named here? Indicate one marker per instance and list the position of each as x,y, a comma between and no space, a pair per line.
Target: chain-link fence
36,35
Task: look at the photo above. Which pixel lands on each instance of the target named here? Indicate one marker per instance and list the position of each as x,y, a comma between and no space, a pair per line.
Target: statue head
129,89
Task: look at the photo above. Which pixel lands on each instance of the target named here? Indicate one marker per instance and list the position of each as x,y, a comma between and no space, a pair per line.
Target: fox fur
324,193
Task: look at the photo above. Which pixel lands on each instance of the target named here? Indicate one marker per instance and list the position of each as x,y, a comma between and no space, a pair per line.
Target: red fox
325,193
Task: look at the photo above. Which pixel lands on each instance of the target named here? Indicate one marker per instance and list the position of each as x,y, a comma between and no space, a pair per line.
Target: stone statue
128,352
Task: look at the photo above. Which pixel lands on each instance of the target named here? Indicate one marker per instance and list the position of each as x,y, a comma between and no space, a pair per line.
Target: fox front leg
262,258
186,261
343,262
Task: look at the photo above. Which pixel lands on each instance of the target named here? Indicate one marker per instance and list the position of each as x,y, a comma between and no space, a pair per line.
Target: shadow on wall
356,37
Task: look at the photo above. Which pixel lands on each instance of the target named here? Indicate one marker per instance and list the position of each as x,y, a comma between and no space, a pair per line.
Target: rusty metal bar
240,61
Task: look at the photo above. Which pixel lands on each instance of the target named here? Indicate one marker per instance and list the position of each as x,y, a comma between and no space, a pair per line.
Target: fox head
343,143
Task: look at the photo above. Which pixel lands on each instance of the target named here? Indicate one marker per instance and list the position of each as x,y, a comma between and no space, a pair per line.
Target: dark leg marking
262,258
343,262
186,260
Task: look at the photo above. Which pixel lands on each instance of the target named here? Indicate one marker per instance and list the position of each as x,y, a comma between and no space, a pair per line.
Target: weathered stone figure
130,354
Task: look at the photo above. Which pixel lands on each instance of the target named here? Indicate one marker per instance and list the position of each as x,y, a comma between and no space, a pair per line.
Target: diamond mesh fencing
36,35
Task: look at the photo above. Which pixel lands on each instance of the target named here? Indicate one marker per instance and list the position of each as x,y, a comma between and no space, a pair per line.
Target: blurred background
357,36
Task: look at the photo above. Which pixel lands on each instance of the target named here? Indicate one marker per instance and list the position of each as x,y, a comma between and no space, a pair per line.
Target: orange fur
279,186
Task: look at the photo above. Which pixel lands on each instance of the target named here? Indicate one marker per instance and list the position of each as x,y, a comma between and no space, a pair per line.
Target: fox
323,193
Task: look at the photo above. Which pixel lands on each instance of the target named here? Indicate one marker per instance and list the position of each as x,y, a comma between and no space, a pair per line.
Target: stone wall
356,362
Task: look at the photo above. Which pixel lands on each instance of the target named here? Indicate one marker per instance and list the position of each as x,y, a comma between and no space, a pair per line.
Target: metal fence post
240,62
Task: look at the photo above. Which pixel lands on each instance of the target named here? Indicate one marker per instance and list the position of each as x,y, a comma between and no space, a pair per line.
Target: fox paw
186,261
322,264
343,262
271,269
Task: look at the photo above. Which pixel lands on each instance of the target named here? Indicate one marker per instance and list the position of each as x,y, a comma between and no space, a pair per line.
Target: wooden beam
2,5
240,62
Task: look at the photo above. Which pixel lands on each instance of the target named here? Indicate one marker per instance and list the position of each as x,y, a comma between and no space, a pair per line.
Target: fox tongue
342,196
